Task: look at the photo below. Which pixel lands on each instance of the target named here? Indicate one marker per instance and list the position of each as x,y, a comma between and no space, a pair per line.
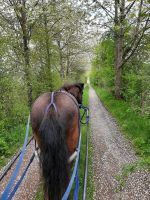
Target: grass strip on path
90,183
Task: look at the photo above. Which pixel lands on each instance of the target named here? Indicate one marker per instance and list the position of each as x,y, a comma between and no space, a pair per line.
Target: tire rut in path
111,152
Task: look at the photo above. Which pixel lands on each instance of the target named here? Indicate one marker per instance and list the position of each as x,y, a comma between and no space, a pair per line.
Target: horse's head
76,90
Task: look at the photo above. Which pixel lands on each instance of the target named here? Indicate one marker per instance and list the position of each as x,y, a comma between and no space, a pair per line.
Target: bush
3,147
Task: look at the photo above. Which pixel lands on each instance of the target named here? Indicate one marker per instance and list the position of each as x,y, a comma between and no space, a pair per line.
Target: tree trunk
26,39
27,71
118,69
62,70
119,37
47,45
48,52
46,36
118,83
68,62
62,73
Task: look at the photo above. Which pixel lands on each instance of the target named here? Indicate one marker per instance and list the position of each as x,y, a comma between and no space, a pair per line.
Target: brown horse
55,125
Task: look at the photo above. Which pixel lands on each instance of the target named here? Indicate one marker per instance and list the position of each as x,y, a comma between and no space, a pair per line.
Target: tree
20,22
126,49
128,22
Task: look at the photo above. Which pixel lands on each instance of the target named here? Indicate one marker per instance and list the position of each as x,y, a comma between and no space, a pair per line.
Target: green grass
39,194
90,184
127,170
135,127
121,178
10,142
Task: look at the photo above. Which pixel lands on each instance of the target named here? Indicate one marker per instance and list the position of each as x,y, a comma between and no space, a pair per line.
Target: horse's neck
70,95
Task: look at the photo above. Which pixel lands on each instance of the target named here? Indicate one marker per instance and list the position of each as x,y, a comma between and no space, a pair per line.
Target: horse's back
66,109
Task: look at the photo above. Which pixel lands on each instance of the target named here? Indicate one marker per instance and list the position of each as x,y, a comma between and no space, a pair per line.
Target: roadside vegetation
121,69
135,127
131,111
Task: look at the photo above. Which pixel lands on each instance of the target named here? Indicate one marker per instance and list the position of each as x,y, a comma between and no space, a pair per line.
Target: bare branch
139,18
6,19
108,12
137,43
136,31
129,7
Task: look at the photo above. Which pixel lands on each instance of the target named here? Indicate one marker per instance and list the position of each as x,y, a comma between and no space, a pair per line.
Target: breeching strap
51,103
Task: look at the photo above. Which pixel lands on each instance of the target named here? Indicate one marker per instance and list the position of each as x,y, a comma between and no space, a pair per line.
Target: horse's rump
57,133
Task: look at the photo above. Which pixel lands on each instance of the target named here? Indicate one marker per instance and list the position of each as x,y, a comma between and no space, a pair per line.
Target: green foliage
136,81
135,75
102,66
43,83
10,140
13,116
122,177
3,146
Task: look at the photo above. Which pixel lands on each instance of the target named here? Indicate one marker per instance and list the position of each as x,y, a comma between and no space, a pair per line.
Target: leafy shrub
3,147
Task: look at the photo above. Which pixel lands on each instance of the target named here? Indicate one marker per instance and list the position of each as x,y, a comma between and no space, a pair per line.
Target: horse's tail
54,157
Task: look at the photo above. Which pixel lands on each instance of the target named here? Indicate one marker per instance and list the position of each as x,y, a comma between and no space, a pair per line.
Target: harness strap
71,96
52,103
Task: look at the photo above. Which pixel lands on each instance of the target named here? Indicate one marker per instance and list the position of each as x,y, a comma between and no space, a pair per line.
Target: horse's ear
80,85
67,87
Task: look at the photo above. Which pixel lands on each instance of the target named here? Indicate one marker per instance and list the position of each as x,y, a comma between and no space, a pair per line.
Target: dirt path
111,152
30,183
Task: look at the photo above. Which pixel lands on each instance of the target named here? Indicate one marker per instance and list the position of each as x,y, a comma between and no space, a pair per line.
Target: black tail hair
54,157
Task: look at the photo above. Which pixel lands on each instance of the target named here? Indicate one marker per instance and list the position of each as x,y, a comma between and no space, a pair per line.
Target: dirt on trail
111,152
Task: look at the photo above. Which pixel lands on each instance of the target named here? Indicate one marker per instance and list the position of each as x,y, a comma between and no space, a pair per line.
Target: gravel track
31,181
111,152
